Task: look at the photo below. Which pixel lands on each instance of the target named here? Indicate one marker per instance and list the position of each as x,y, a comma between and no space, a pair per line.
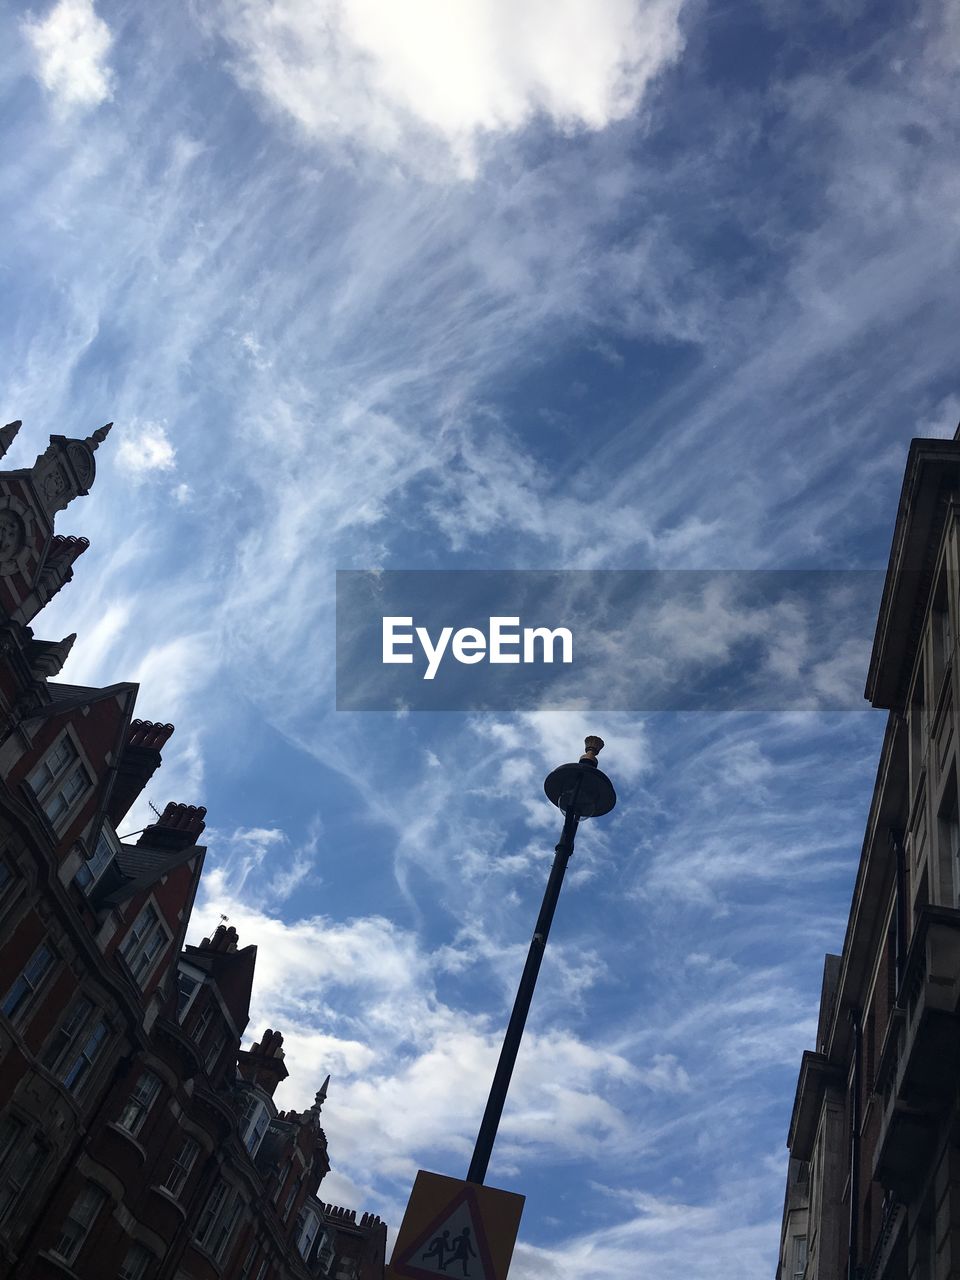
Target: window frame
145,1257
221,1211
92,868
27,1000
306,1212
67,1032
44,790
183,1168
140,1102
197,977
97,1036
98,1198
215,1050
17,1167
254,1123
799,1263
7,885
135,944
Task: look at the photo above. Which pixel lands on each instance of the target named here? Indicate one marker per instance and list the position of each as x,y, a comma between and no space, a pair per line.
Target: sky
461,284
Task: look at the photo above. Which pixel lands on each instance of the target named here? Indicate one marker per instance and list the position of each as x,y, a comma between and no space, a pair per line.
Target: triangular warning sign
453,1245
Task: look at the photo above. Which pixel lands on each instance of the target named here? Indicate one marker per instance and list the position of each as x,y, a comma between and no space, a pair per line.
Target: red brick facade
137,1139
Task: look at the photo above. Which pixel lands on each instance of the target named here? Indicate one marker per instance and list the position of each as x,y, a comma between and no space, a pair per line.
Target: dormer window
60,780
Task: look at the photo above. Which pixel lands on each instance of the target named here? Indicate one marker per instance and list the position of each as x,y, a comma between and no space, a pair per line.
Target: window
145,943
211,1211
134,1265
324,1252
918,730
60,779
78,1066
799,1256
306,1230
37,968
204,1018
93,868
212,1056
139,1103
20,1161
6,878
948,832
288,1203
941,633
67,1033
224,1233
249,1261
218,1220
183,1162
253,1123
77,1224
188,984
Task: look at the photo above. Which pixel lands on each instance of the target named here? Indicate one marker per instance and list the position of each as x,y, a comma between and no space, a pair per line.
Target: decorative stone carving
16,532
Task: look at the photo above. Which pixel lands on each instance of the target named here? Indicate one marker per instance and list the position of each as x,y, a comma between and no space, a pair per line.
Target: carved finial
8,435
98,436
321,1097
593,747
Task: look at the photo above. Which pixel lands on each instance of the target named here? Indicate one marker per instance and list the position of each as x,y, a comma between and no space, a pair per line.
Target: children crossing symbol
456,1229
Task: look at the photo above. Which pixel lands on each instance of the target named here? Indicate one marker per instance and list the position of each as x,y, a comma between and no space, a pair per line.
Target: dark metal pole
521,1005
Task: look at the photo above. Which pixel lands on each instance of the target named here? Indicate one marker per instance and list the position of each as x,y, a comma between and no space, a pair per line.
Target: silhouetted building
873,1189
137,1140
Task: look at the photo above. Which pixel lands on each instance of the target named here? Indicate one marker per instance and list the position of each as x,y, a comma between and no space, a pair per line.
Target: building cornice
932,473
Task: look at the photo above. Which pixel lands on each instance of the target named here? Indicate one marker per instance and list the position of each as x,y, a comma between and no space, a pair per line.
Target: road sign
455,1229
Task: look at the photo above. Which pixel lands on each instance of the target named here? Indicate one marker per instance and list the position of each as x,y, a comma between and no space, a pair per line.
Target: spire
8,434
321,1096
93,442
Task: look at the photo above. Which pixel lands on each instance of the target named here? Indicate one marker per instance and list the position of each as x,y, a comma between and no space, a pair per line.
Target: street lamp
579,791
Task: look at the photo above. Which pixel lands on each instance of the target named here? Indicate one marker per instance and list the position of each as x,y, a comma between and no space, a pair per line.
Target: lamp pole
579,791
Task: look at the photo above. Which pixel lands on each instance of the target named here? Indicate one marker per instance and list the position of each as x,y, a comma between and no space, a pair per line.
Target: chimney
139,761
223,939
263,1063
177,827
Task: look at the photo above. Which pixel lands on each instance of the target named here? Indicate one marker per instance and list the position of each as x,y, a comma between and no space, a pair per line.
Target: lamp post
579,791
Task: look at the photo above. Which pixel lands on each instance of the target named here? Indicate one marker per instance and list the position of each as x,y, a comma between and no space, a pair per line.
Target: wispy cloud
687,312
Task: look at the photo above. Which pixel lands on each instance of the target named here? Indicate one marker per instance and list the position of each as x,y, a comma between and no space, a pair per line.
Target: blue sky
580,284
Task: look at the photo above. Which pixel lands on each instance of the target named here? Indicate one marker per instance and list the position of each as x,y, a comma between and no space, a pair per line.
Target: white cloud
71,45
386,73
146,448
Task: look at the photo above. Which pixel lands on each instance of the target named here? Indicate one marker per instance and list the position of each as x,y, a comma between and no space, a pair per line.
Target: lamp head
582,787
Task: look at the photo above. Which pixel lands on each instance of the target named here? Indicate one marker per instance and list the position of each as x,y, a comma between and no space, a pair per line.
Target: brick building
873,1188
137,1139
